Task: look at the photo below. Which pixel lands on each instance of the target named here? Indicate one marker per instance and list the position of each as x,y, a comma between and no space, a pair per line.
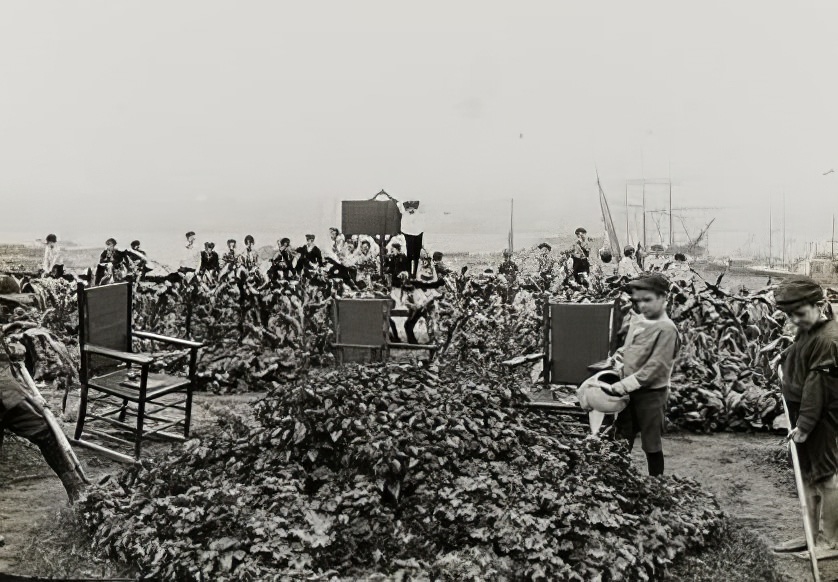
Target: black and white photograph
366,290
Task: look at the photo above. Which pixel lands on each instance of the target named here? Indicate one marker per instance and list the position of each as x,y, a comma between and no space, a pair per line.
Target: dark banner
372,217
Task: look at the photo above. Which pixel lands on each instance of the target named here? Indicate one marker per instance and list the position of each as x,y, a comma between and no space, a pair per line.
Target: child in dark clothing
810,391
647,360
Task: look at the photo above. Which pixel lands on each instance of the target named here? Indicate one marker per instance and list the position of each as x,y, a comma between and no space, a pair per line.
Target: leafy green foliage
724,377
726,372
252,338
397,471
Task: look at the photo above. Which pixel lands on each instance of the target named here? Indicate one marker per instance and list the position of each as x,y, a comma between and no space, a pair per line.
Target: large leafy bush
395,471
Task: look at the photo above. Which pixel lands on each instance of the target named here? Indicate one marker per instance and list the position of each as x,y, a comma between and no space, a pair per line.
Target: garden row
724,378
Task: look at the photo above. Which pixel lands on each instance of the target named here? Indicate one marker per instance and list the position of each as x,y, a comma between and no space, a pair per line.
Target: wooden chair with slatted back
116,383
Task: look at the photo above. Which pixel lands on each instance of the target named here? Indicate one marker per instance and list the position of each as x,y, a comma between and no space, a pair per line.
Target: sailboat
820,266
610,240
770,269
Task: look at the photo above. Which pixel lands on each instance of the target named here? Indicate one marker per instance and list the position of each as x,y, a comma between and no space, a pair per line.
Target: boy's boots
823,510
655,462
829,516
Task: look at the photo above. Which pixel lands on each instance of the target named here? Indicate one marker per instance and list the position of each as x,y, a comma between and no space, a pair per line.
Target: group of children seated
357,261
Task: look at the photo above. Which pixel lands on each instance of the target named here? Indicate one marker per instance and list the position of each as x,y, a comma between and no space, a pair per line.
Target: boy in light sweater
647,360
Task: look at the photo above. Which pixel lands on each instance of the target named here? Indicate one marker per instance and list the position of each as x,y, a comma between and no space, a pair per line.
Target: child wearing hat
581,257
309,257
190,260
52,265
647,360
810,390
628,266
112,264
229,260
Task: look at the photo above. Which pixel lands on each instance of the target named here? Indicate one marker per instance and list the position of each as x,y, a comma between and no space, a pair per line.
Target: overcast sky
184,115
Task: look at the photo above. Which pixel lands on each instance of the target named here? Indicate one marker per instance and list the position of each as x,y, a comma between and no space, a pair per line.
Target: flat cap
654,282
793,292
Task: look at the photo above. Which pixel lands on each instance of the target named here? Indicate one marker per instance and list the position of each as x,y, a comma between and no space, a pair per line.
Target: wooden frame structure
105,341
362,330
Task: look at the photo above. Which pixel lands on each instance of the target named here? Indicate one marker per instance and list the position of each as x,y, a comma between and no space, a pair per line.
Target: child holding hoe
810,391
647,360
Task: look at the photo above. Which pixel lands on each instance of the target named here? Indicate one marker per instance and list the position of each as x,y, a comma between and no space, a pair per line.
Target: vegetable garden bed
398,471
724,378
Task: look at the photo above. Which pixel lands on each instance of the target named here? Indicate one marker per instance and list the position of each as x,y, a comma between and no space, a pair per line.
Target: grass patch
737,556
61,549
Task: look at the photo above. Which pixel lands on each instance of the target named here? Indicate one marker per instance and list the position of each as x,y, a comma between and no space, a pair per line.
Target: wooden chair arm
127,357
401,346
514,362
359,346
167,340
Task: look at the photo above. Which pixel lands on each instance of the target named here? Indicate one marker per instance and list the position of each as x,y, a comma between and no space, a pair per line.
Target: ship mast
784,229
628,234
770,234
644,216
670,205
512,225
670,212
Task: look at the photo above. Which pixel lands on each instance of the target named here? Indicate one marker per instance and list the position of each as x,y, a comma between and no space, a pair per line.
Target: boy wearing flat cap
647,360
581,257
810,390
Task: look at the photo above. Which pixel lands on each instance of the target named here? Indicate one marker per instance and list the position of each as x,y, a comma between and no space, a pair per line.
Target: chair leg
123,410
138,442
188,420
82,412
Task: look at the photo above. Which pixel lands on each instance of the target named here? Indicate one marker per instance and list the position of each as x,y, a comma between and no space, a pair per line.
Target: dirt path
32,496
26,491
756,493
